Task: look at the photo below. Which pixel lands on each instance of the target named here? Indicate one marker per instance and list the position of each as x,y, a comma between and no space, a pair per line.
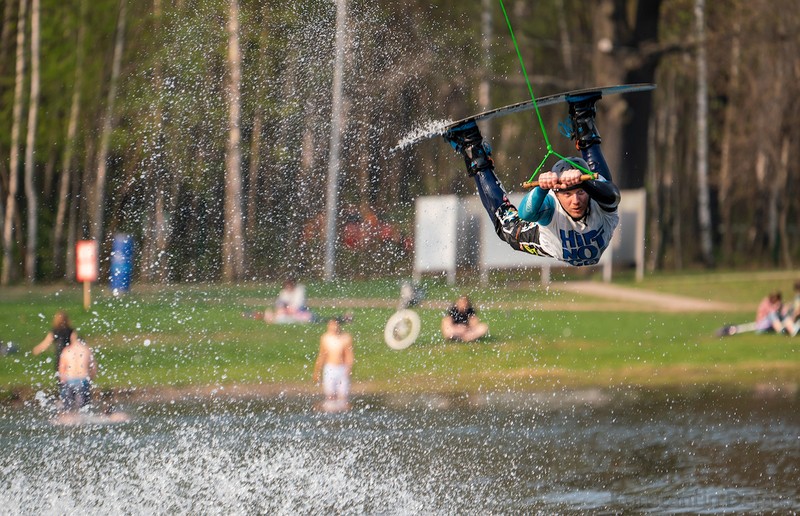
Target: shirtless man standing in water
76,370
335,361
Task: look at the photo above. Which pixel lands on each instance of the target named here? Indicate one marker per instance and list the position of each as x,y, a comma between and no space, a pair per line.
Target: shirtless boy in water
335,361
76,370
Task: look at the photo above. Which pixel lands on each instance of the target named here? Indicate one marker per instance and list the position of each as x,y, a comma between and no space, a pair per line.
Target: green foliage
407,63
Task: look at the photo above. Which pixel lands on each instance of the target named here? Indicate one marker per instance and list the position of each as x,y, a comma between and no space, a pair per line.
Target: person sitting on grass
290,306
770,317
461,323
791,313
768,314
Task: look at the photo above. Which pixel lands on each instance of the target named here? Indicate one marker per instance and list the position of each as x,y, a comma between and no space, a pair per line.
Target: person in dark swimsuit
461,324
61,335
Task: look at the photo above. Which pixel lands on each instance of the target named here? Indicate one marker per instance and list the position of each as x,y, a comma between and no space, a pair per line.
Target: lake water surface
500,453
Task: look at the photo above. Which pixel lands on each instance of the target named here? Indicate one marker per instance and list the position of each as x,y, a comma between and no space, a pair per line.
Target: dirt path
616,298
648,300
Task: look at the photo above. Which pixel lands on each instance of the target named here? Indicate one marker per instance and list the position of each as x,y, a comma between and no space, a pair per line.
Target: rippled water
509,453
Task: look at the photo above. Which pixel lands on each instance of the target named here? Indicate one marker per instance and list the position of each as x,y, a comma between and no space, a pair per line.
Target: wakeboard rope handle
584,177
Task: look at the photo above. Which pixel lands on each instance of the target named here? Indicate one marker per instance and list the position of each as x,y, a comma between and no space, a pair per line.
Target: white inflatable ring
402,329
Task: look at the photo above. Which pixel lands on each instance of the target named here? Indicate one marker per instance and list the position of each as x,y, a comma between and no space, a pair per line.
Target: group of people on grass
334,363
76,367
772,316
460,322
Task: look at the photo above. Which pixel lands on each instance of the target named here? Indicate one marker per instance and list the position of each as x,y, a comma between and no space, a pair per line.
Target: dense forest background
203,127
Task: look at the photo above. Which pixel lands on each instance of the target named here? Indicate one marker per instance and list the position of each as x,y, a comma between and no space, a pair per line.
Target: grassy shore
195,336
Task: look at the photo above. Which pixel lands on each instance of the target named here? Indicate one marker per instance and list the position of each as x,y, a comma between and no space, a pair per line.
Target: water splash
421,132
506,454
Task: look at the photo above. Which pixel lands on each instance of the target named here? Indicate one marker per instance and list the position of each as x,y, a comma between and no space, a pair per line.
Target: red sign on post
86,257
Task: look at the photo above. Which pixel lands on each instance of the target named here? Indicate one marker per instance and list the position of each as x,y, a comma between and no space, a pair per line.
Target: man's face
575,202
333,326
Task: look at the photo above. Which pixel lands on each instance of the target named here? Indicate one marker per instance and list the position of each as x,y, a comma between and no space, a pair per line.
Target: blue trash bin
121,263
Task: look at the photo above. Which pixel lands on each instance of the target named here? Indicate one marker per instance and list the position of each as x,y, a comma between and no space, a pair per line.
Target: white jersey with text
578,242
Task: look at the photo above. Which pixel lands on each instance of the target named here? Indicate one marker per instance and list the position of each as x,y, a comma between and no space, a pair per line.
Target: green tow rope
535,105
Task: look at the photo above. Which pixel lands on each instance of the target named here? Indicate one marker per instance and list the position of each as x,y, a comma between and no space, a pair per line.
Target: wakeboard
83,419
438,128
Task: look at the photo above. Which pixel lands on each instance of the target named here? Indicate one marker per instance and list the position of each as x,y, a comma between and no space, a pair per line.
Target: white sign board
436,234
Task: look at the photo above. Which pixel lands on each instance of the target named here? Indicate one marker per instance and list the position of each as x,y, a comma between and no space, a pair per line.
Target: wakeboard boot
581,123
466,139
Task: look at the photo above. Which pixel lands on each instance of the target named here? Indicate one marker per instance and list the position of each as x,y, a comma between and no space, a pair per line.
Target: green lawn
195,335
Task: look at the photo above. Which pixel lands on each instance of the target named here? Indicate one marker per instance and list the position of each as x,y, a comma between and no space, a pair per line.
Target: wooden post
86,268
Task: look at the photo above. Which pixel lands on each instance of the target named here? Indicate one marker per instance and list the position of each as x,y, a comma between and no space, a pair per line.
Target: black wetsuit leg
593,156
490,191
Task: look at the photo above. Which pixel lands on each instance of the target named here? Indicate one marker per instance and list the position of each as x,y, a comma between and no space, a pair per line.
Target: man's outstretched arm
536,206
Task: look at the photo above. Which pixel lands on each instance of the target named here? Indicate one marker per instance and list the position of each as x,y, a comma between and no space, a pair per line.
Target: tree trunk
484,90
31,196
76,210
668,166
253,185
725,172
5,34
758,227
13,172
703,201
155,266
784,186
566,42
96,221
337,123
233,241
655,192
308,258
64,200
619,58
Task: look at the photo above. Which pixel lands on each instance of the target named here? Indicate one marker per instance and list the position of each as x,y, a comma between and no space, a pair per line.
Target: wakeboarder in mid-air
572,213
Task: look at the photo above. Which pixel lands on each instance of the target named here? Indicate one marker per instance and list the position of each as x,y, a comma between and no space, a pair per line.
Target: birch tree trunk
757,228
337,123
13,172
233,241
76,211
96,221
30,147
64,200
5,45
703,203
